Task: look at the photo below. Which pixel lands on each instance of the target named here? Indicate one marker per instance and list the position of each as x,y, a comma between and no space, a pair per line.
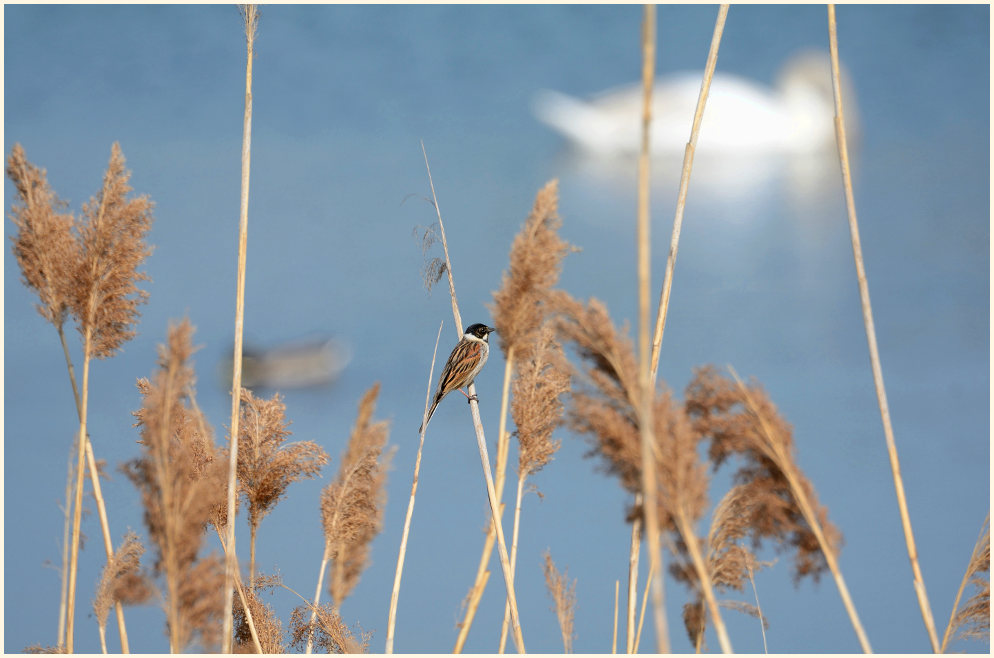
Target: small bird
464,364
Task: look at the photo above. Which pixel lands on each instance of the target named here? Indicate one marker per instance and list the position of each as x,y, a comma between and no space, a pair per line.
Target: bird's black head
480,331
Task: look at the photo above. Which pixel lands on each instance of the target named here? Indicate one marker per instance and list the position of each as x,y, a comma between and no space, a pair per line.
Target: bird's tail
430,412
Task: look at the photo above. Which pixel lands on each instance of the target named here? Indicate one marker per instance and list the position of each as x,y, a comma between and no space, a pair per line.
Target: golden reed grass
85,268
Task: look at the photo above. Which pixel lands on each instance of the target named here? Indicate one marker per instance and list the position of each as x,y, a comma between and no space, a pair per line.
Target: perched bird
464,364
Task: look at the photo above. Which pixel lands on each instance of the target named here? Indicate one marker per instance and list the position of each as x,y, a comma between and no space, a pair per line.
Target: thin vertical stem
645,599
392,616
614,633
251,16
645,390
688,164
78,509
633,576
97,495
65,552
762,620
317,600
245,605
482,574
871,338
514,559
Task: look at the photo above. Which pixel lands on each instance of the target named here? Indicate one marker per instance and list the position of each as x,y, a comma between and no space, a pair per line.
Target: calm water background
764,282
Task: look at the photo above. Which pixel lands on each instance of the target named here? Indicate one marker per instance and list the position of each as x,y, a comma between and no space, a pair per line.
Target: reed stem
231,560
482,573
645,599
245,606
871,338
514,559
614,633
633,576
688,164
645,390
317,600
97,492
395,594
78,509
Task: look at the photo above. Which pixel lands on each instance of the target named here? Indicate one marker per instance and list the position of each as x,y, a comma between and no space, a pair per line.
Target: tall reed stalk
633,574
250,15
480,438
395,594
482,573
871,338
645,389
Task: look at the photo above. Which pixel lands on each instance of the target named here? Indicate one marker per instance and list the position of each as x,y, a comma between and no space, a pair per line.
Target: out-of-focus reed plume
719,411
181,481
535,264
325,629
563,595
267,465
116,581
269,628
352,506
46,250
973,620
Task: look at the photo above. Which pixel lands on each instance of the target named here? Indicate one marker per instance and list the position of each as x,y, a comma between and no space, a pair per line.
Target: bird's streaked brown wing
460,366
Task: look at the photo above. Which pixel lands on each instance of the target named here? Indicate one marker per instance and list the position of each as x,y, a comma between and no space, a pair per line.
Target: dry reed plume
729,562
267,465
44,246
563,595
541,380
268,627
112,245
116,581
182,483
535,264
607,411
973,620
719,411
742,420
352,506
326,630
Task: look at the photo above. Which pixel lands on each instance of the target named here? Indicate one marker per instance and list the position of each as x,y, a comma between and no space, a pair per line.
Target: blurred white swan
742,116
